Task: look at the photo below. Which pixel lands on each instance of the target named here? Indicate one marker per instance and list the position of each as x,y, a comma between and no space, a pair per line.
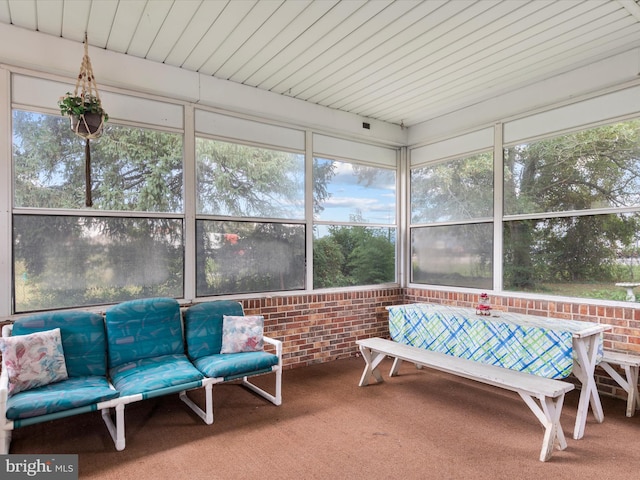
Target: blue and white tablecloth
543,351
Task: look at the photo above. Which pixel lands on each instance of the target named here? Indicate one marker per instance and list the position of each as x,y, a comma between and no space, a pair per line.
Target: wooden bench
630,364
548,392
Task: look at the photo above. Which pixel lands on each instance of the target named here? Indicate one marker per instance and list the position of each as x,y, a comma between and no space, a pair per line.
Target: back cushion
83,339
145,328
203,326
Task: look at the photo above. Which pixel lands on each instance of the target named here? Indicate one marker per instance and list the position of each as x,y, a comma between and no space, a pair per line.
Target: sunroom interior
319,161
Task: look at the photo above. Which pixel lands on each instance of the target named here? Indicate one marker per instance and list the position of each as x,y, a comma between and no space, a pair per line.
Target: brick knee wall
316,328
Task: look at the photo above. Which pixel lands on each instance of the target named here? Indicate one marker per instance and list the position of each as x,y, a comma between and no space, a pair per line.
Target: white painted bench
630,364
548,392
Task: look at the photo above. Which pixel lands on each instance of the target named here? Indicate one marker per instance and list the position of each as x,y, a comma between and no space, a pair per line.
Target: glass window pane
349,256
75,261
456,255
346,192
132,169
594,168
580,256
460,189
246,257
243,181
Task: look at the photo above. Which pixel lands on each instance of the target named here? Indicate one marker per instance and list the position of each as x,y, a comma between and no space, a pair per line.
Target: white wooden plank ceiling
402,61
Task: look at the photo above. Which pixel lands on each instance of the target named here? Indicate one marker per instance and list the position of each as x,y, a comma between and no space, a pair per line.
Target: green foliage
455,190
596,168
328,262
243,181
67,261
351,256
373,261
76,106
133,169
241,257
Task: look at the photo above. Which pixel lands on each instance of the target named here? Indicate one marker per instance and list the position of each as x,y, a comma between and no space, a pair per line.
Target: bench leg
372,360
395,367
633,401
629,385
548,414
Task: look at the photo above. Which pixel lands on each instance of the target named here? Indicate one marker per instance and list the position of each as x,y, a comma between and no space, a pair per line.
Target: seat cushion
150,375
57,397
203,326
83,339
146,328
233,365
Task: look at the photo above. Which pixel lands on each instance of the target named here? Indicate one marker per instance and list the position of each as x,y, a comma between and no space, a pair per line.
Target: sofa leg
116,430
5,441
275,399
207,414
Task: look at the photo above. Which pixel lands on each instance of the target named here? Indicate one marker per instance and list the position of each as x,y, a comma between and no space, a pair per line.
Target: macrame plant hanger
87,88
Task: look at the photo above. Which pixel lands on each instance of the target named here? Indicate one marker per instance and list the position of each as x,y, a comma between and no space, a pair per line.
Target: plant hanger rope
89,124
88,88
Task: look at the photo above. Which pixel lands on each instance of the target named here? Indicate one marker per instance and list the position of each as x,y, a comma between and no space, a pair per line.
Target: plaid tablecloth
543,351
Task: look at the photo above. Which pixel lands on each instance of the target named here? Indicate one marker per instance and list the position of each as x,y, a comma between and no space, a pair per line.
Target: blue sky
376,202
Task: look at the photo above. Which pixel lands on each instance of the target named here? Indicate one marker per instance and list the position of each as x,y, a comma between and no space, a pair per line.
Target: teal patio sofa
138,350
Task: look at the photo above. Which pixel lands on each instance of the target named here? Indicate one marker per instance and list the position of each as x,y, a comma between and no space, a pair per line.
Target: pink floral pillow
242,333
33,360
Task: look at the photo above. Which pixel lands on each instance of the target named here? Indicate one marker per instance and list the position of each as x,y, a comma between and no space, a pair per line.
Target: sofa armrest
5,425
4,386
277,344
4,375
6,330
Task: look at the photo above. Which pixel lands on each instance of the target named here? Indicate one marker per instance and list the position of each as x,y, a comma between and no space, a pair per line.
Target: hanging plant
84,108
86,112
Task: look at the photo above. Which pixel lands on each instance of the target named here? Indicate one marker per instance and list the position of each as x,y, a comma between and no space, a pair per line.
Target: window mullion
498,196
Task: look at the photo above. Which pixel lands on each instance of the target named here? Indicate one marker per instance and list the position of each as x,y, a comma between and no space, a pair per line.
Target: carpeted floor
420,425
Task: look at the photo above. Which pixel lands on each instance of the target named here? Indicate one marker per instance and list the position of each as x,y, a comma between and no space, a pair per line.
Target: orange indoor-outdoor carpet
420,425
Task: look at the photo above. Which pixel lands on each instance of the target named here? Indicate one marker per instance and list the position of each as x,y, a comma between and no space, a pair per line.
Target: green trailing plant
75,106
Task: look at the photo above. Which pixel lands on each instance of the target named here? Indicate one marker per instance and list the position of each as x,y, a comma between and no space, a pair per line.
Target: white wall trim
6,193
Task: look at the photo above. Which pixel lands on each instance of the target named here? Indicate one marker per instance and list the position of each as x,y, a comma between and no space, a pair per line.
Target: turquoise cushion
158,374
235,364
83,339
203,326
56,397
146,328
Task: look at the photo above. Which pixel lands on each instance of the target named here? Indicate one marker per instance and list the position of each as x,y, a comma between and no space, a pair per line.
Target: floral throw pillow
242,333
33,360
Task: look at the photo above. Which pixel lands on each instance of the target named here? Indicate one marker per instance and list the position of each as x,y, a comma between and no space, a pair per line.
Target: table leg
372,360
584,367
